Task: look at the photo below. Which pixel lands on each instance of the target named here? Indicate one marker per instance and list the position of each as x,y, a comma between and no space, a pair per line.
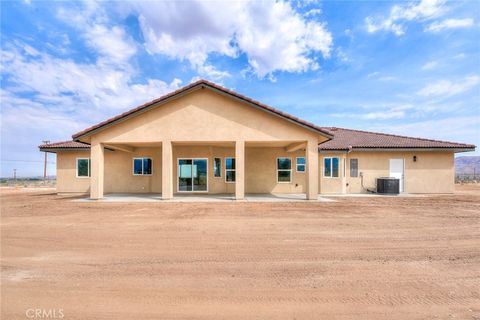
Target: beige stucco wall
260,175
261,171
67,180
119,175
330,184
433,172
204,115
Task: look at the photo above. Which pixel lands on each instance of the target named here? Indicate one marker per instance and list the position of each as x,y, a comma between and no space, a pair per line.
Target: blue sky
410,68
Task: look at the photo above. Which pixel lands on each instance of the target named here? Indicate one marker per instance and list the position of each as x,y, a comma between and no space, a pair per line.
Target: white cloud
388,112
313,12
98,86
378,76
63,97
110,43
462,129
424,10
430,65
450,24
272,35
391,111
447,88
384,115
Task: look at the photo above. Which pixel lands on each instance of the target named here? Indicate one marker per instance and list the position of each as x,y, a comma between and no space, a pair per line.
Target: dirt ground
357,258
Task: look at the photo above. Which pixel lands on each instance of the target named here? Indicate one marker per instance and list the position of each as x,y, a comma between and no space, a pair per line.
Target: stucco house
204,138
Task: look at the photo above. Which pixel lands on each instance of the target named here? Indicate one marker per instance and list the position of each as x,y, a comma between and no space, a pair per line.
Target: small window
284,170
217,167
330,167
300,164
83,168
230,170
142,166
354,168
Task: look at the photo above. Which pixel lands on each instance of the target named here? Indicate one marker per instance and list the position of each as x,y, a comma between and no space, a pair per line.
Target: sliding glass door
192,175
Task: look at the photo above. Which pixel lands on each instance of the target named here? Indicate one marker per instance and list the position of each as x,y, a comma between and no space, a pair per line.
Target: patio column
239,170
312,170
167,170
344,173
97,170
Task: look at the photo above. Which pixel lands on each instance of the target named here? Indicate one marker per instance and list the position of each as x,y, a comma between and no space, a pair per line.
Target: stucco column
312,170
239,170
97,160
344,173
167,170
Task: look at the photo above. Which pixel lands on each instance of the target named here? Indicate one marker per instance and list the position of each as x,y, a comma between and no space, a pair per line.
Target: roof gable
190,88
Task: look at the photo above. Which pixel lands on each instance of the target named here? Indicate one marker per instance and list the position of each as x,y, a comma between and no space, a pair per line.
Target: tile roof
210,85
65,145
345,139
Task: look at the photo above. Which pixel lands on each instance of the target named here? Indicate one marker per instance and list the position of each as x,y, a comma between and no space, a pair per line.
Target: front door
397,171
192,175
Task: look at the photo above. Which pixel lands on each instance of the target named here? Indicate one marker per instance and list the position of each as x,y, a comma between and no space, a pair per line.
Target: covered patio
192,170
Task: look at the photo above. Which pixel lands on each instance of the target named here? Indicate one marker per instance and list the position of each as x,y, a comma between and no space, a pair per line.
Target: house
204,138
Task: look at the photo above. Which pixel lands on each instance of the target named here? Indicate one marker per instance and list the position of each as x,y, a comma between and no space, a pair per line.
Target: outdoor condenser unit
388,185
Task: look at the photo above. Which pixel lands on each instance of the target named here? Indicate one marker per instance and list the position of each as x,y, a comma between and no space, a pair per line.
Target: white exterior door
397,171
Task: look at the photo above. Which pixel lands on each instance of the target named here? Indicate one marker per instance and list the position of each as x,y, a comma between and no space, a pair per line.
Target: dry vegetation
358,258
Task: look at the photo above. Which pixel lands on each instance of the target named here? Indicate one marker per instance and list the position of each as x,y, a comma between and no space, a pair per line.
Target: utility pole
15,174
45,163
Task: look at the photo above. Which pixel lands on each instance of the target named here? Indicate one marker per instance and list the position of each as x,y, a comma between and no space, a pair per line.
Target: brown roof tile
65,145
206,84
345,139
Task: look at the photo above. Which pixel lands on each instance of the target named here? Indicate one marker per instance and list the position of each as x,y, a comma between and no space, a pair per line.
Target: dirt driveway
358,258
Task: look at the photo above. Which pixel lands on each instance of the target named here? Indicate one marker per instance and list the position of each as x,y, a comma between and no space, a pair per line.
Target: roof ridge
398,136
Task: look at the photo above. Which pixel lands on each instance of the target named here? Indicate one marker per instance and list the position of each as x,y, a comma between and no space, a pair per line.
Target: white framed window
142,166
83,167
330,167
284,170
300,164
229,170
217,167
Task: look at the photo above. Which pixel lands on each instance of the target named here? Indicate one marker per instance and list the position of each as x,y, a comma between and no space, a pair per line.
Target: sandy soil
358,258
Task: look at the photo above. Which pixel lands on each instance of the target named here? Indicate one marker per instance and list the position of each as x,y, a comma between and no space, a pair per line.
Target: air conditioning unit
388,185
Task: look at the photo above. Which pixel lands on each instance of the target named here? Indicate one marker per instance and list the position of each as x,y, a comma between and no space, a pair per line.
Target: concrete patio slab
157,197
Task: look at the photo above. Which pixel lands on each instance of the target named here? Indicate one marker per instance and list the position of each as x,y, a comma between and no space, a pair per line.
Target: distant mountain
467,165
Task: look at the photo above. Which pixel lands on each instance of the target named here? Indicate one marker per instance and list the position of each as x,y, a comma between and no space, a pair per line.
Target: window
230,170
284,170
330,167
353,167
300,164
217,167
83,167
142,166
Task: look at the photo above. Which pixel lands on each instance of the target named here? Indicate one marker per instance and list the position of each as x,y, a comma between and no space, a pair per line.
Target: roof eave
454,149
55,150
